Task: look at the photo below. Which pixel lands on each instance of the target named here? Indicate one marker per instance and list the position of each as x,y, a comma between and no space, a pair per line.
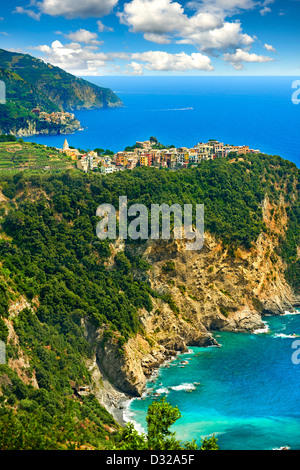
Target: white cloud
223,8
102,28
134,69
161,19
270,48
153,16
158,38
229,36
265,8
264,11
240,56
77,8
30,13
84,36
74,58
163,61
82,60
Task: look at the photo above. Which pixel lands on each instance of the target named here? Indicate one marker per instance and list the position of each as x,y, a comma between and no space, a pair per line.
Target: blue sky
157,37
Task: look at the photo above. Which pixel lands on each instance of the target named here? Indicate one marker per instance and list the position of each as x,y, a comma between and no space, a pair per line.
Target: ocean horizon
183,111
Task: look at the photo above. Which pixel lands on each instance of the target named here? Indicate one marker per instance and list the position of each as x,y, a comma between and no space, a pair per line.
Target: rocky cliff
213,289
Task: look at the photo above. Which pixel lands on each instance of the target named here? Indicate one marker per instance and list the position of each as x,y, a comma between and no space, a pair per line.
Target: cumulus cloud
229,36
84,36
240,56
163,61
134,68
160,19
223,8
153,16
73,57
77,8
158,38
81,60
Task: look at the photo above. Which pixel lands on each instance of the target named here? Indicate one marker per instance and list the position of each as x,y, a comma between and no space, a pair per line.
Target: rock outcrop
213,289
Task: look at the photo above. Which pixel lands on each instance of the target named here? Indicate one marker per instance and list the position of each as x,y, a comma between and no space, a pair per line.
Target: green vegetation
42,419
16,154
32,83
290,247
160,417
50,254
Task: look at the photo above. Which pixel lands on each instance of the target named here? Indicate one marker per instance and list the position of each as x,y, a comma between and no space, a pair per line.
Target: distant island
41,98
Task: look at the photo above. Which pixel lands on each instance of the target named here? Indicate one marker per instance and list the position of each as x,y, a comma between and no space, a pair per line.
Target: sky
157,37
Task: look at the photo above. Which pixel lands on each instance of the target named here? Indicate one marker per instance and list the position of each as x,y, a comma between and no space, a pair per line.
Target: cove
246,392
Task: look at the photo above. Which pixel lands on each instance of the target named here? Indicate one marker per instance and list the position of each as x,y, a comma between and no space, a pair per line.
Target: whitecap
260,331
282,335
162,390
184,386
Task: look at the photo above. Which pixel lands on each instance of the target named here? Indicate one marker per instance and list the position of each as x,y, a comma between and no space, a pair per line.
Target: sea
246,392
183,111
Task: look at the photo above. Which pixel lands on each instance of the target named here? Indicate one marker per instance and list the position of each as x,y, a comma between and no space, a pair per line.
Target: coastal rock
213,289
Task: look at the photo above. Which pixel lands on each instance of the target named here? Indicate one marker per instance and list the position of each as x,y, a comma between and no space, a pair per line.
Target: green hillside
50,254
26,155
31,83
53,84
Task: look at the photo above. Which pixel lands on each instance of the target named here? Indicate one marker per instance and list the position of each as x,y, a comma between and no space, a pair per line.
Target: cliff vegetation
80,314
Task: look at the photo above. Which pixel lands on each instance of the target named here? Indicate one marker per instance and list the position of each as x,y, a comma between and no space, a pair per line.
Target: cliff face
29,128
213,289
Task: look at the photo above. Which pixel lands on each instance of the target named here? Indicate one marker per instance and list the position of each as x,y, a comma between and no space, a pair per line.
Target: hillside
104,315
31,84
18,155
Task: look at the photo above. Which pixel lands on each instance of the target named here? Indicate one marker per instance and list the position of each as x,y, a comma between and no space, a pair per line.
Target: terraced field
23,155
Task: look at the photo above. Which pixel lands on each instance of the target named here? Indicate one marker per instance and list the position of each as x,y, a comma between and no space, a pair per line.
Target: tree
99,151
160,417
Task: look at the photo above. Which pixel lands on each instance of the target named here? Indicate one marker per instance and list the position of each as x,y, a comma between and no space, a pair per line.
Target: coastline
124,414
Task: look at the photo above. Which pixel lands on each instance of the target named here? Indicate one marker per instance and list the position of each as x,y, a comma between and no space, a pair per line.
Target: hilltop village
151,153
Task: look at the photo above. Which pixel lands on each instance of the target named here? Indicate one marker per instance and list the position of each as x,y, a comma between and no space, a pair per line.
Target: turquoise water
183,111
248,392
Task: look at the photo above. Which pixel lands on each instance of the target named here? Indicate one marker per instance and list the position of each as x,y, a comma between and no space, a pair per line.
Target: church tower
66,145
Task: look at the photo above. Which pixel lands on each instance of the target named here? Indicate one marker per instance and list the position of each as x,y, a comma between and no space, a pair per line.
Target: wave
128,416
174,109
184,386
282,335
162,390
263,330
